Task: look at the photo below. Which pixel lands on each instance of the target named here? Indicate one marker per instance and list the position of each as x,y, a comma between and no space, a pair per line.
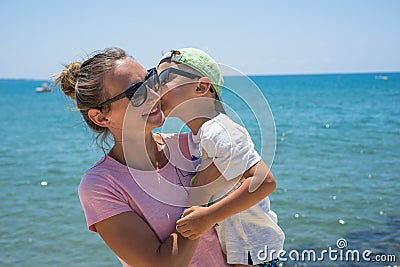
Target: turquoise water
336,164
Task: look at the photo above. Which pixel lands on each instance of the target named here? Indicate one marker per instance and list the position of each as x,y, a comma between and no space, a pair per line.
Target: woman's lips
155,111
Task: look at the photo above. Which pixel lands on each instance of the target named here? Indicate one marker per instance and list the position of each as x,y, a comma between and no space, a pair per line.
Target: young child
191,87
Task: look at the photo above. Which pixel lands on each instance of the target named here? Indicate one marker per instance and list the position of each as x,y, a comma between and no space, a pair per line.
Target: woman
137,227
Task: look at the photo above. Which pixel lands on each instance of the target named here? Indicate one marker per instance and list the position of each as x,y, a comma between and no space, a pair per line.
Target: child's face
175,89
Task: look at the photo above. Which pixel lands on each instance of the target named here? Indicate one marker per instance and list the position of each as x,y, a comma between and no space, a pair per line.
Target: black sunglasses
164,75
137,93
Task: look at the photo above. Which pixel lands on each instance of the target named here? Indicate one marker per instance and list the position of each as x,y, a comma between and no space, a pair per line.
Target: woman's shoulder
103,171
106,165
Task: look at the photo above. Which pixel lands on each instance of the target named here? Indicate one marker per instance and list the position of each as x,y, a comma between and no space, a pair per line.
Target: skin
197,220
129,236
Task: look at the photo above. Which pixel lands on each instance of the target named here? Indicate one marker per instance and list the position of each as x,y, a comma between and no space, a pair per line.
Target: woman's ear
203,86
98,117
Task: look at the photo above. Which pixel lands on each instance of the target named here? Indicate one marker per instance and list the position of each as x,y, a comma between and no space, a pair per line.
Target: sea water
336,164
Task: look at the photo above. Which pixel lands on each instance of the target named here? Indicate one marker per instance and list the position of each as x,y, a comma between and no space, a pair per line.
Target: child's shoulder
221,121
222,126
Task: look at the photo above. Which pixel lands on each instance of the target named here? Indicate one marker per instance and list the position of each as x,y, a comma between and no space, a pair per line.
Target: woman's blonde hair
83,83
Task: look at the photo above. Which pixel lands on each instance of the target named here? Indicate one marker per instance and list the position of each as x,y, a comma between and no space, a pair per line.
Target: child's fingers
190,234
185,233
181,228
188,211
182,221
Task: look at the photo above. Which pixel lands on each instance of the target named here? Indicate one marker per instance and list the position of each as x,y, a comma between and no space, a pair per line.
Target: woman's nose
153,95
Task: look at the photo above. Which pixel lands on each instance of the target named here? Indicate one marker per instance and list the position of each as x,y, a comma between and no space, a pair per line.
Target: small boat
44,89
381,77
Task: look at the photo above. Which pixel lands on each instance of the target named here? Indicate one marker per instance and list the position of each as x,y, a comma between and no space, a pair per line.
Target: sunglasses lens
164,75
153,81
139,96
156,83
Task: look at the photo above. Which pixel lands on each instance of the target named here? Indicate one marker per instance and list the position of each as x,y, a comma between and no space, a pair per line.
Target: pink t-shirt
111,188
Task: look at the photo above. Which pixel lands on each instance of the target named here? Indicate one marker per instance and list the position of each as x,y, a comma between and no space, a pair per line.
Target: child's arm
206,183
198,220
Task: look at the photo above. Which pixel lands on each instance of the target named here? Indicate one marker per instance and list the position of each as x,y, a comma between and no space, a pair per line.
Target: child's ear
98,117
203,86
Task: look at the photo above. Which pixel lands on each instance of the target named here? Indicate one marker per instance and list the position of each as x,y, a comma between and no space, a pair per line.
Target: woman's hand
195,222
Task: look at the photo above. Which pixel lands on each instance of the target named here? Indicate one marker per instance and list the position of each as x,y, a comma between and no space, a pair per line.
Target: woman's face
145,117
175,90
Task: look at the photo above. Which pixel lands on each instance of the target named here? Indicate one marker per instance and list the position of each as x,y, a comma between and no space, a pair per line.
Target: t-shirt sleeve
100,199
230,147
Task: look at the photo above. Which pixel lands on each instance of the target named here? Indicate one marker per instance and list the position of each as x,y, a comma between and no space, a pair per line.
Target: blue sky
255,37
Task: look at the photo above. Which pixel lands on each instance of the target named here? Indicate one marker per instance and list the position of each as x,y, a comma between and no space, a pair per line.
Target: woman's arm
134,242
198,220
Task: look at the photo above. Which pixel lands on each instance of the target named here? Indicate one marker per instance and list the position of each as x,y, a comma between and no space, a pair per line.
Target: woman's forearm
177,250
135,242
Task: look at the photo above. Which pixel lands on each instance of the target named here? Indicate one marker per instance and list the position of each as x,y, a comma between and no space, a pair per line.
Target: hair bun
68,79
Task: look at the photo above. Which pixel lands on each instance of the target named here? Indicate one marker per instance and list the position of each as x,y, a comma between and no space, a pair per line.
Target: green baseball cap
199,61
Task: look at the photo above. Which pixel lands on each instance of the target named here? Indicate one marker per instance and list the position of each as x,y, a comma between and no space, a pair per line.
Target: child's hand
195,222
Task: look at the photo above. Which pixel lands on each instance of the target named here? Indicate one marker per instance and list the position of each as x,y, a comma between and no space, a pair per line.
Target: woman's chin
156,120
165,110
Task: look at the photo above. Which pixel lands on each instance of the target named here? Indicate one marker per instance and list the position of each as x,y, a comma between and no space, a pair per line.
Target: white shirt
228,145
231,149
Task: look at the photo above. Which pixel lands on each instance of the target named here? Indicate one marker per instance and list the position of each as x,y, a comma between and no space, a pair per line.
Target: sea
335,141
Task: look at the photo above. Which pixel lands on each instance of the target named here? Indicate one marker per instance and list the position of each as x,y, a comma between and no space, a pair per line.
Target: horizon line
251,75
